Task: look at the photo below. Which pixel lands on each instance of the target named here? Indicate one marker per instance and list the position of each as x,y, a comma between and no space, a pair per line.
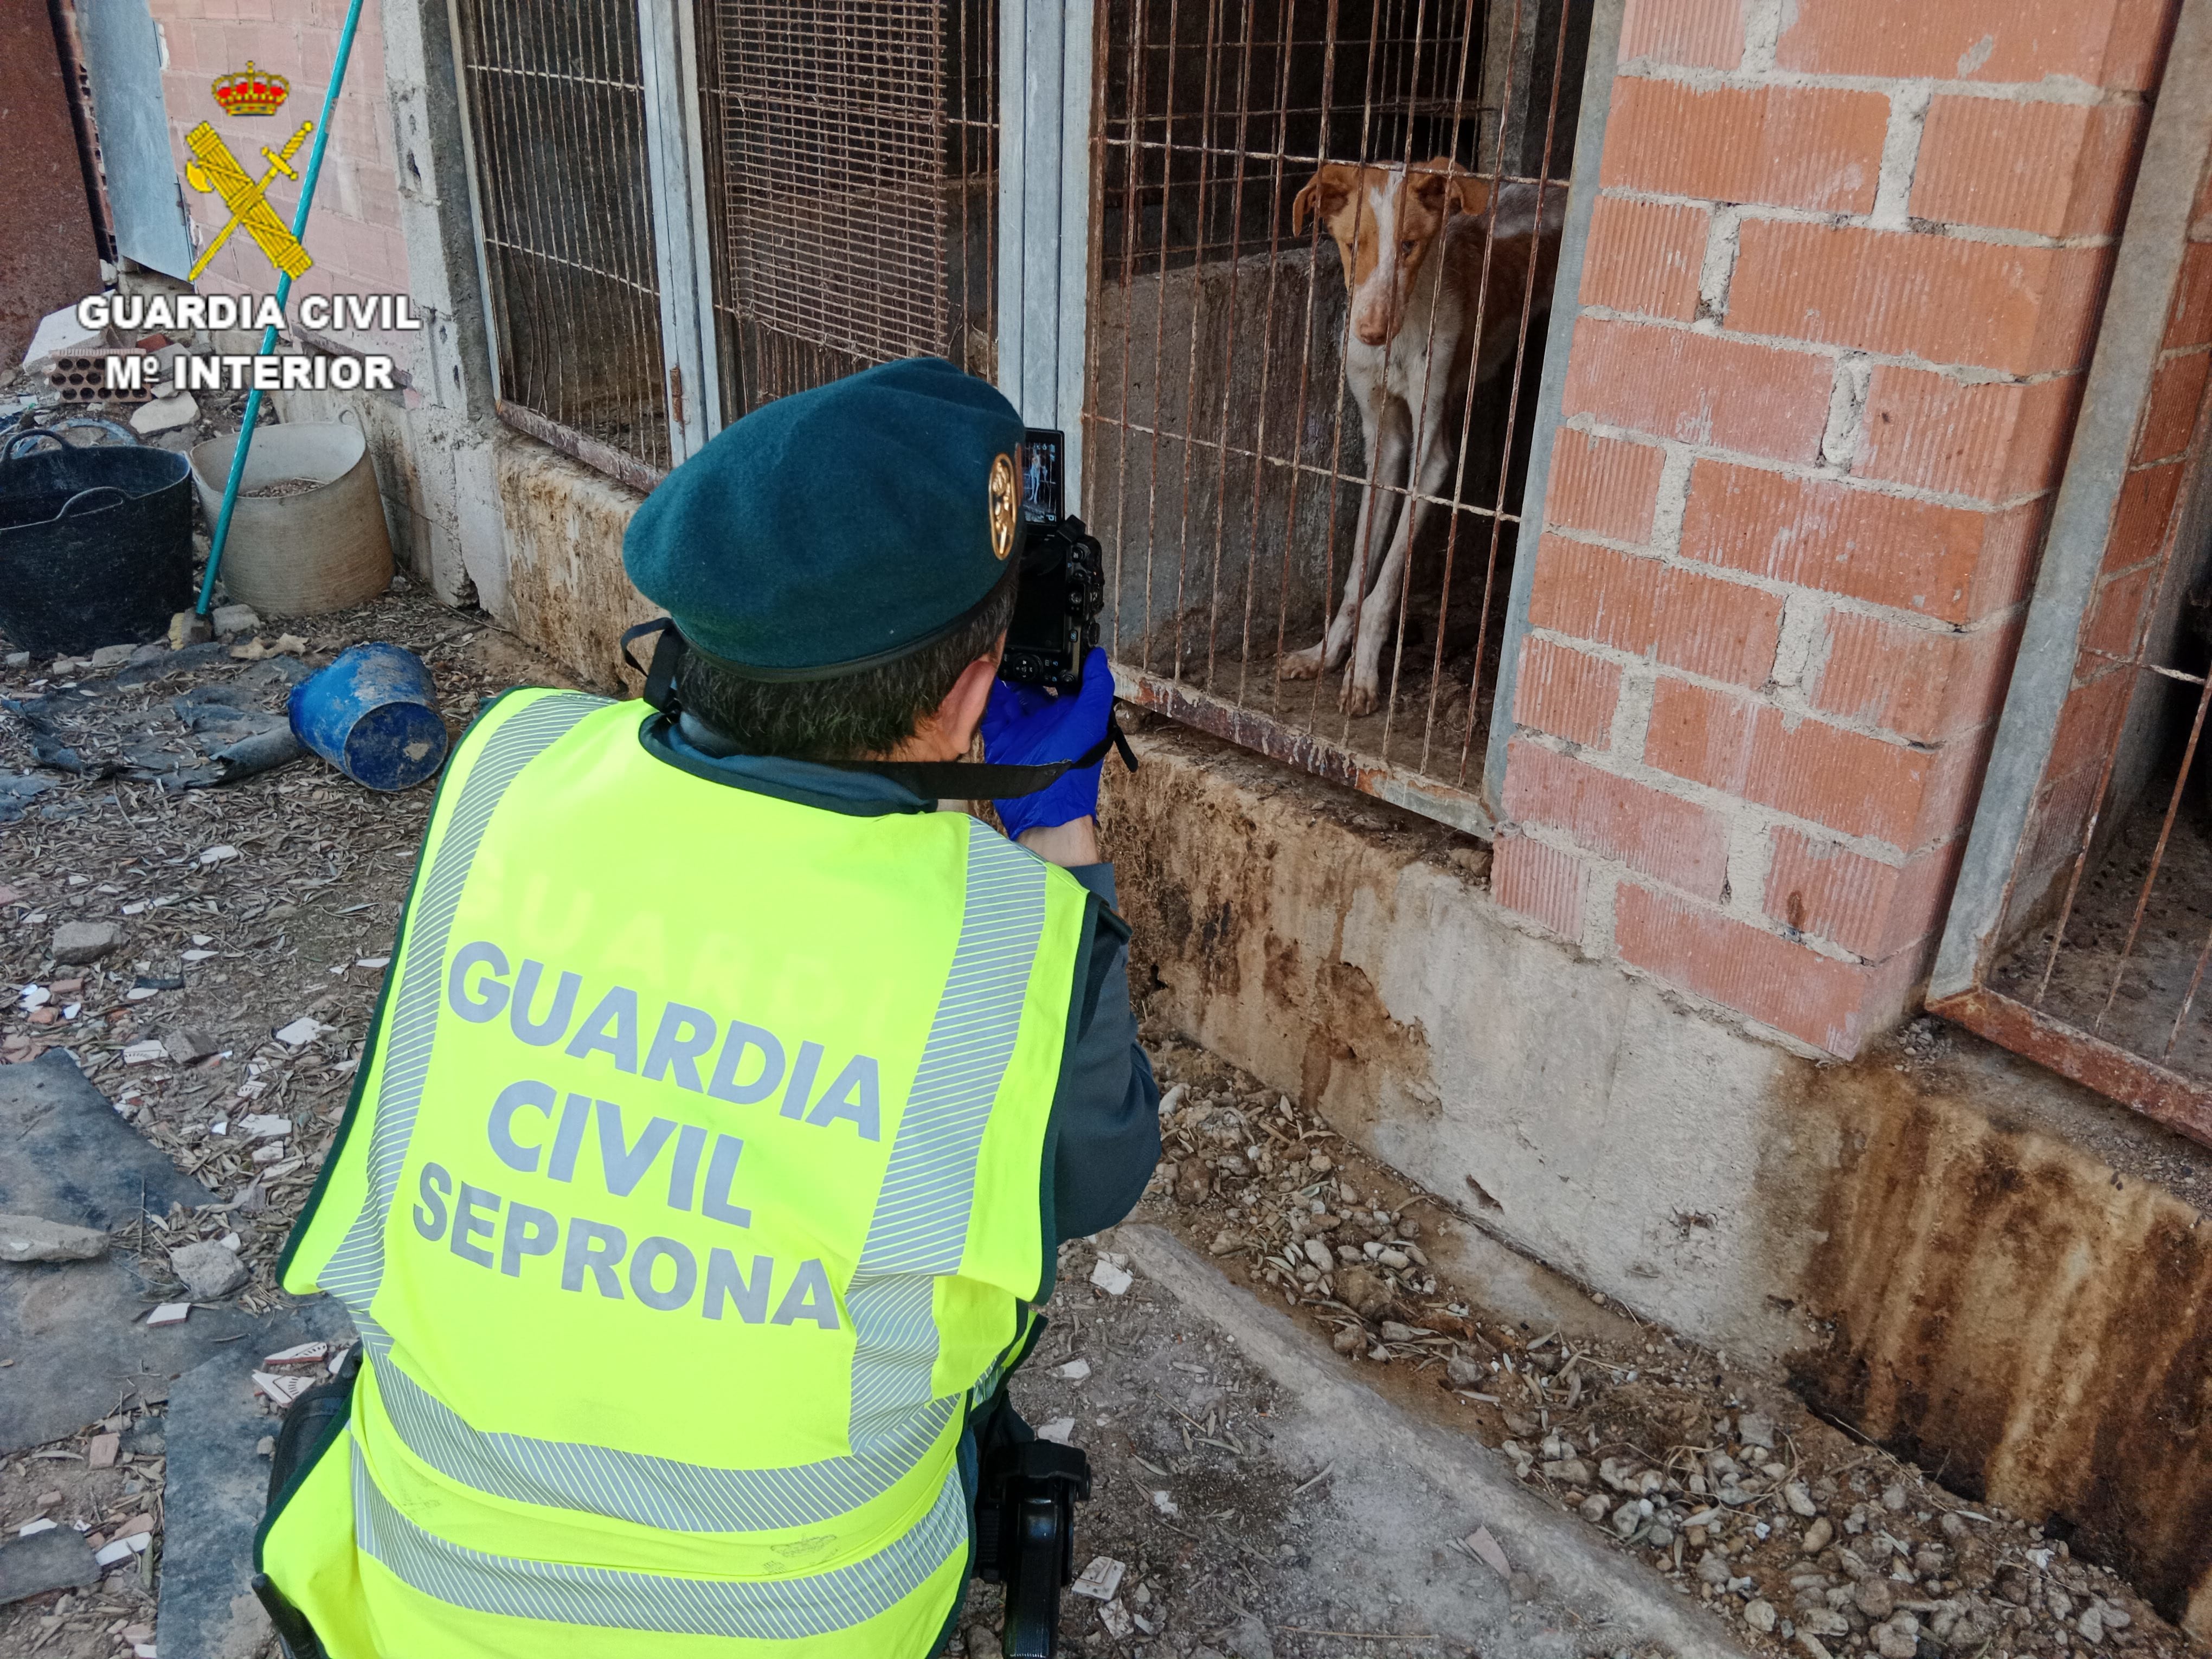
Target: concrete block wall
355,232
1841,287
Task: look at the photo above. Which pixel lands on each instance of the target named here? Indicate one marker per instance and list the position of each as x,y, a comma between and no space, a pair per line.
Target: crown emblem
251,91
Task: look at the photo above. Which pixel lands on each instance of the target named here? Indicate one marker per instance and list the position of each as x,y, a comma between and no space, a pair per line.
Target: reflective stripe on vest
654,1492
357,1271
963,1090
810,1604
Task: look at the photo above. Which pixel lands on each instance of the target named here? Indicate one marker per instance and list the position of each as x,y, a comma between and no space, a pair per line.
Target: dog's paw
1301,664
1359,696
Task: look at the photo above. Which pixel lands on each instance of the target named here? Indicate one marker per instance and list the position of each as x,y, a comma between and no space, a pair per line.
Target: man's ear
956,718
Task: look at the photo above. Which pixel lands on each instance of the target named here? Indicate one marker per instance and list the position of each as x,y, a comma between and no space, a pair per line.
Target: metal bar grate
556,126
1234,420
2107,908
853,154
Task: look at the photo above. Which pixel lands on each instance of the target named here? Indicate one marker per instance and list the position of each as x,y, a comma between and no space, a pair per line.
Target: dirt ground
253,906
2141,994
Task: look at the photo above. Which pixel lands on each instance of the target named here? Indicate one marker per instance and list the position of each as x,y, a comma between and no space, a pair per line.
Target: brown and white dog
1412,241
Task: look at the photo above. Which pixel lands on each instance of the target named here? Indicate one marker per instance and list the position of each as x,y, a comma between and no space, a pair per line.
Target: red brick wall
354,231
1841,286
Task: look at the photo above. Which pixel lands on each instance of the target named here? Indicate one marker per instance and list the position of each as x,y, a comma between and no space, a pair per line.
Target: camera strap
988,781
659,675
931,779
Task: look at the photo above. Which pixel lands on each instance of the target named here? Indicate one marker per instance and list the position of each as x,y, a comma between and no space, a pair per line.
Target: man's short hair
870,713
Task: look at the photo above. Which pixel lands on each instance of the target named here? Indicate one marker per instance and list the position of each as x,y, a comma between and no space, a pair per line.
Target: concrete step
1341,1521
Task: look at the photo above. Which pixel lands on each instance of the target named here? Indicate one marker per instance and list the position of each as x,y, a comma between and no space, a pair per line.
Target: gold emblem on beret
1006,503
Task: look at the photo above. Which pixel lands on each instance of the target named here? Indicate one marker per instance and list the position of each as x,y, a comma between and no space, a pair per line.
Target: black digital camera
1063,579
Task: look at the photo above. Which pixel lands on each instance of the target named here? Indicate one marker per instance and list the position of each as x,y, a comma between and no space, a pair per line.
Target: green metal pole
284,293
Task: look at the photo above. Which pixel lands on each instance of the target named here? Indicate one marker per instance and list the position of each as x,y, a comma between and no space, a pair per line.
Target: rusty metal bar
1267,367
1250,728
1459,470
1313,257
1212,65
616,464
1236,247
1513,401
2166,1097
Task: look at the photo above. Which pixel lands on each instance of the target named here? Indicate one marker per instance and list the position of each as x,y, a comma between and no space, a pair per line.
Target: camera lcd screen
1042,474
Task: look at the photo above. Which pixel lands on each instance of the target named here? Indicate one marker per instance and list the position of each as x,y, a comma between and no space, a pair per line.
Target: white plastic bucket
323,549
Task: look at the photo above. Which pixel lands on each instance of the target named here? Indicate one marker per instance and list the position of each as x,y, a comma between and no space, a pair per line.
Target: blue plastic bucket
373,714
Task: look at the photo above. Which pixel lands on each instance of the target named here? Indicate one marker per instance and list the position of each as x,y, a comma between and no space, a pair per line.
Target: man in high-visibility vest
727,1102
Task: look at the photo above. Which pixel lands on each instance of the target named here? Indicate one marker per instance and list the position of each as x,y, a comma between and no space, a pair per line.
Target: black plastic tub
95,543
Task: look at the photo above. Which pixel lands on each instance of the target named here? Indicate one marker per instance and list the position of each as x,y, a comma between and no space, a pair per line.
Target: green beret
836,529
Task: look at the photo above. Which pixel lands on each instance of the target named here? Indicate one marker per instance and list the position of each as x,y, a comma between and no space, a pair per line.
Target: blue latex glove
1026,726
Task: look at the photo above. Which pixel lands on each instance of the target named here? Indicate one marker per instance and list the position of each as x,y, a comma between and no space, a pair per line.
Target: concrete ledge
1348,954
563,525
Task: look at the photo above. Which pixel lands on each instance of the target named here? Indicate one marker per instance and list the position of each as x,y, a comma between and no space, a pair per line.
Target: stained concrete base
1984,1266
1331,945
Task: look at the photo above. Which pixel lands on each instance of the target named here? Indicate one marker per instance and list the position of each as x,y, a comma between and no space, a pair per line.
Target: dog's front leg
1429,447
1378,507
1385,451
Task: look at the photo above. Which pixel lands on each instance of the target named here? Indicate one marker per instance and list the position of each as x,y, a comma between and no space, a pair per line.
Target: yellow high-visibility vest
689,1199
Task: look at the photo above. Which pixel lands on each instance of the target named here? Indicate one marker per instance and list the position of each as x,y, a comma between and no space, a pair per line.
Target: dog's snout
1375,327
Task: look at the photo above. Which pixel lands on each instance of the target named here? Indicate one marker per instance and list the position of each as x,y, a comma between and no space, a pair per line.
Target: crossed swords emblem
217,169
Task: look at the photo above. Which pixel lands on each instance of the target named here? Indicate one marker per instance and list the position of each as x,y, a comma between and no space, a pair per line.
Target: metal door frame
1047,89
1047,100
1598,68
668,32
2145,270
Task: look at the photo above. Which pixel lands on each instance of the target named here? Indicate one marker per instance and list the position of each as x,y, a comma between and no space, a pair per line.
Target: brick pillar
1841,286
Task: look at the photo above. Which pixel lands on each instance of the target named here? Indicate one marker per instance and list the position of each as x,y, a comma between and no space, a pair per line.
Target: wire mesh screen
1301,558
556,114
851,166
2108,909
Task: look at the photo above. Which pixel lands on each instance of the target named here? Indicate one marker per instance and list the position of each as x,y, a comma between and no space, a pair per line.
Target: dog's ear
1324,193
1432,184
1473,193
1516,212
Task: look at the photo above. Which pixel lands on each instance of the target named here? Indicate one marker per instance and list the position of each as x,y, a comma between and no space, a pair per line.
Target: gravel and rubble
25,389
1249,1497
105,1484
1812,1541
243,929
224,949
